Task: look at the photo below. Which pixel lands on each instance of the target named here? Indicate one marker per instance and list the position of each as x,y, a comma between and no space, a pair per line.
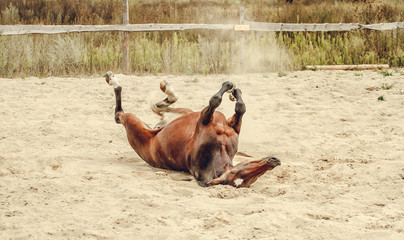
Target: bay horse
201,143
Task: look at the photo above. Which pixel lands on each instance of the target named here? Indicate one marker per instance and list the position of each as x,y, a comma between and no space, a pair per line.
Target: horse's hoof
273,162
169,90
229,86
163,85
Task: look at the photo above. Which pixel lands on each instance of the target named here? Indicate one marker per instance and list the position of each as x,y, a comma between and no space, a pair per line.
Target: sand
68,172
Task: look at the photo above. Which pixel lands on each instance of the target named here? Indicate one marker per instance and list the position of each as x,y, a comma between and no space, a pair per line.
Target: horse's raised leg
164,106
138,135
246,173
161,107
240,109
214,102
112,80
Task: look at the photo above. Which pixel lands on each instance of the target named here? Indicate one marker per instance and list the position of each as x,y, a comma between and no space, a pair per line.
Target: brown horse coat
203,143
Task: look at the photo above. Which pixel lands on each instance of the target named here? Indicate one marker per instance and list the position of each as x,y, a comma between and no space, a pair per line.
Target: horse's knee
240,108
240,105
215,101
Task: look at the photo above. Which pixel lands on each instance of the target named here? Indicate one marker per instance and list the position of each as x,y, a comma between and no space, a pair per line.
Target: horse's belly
173,142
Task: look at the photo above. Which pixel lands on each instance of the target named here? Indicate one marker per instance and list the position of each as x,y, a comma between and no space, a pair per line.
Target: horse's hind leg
163,106
240,109
215,102
138,134
113,81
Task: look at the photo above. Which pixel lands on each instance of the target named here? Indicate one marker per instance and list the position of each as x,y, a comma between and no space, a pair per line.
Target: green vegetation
381,98
197,52
282,74
386,73
194,80
89,53
387,86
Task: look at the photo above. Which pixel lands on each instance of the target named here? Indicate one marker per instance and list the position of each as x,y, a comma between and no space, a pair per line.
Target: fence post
125,38
241,36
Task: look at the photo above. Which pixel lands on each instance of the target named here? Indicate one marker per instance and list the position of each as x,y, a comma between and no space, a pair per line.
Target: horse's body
203,143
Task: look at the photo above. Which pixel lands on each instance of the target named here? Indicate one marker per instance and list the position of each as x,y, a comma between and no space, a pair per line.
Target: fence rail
247,25
323,27
56,29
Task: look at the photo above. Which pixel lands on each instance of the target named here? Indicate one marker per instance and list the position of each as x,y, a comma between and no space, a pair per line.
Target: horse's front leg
246,173
214,102
240,109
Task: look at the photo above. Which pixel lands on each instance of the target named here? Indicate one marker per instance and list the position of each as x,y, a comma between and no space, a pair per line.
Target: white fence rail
57,29
247,25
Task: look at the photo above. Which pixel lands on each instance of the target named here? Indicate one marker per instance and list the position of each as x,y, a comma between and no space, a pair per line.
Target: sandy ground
68,172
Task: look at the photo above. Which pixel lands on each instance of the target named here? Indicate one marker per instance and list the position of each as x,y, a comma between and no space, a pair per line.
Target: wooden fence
247,26
242,26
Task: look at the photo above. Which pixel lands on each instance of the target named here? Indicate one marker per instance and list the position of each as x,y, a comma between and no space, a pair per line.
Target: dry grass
194,52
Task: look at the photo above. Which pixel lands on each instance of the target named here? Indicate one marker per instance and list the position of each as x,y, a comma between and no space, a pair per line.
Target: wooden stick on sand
348,67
